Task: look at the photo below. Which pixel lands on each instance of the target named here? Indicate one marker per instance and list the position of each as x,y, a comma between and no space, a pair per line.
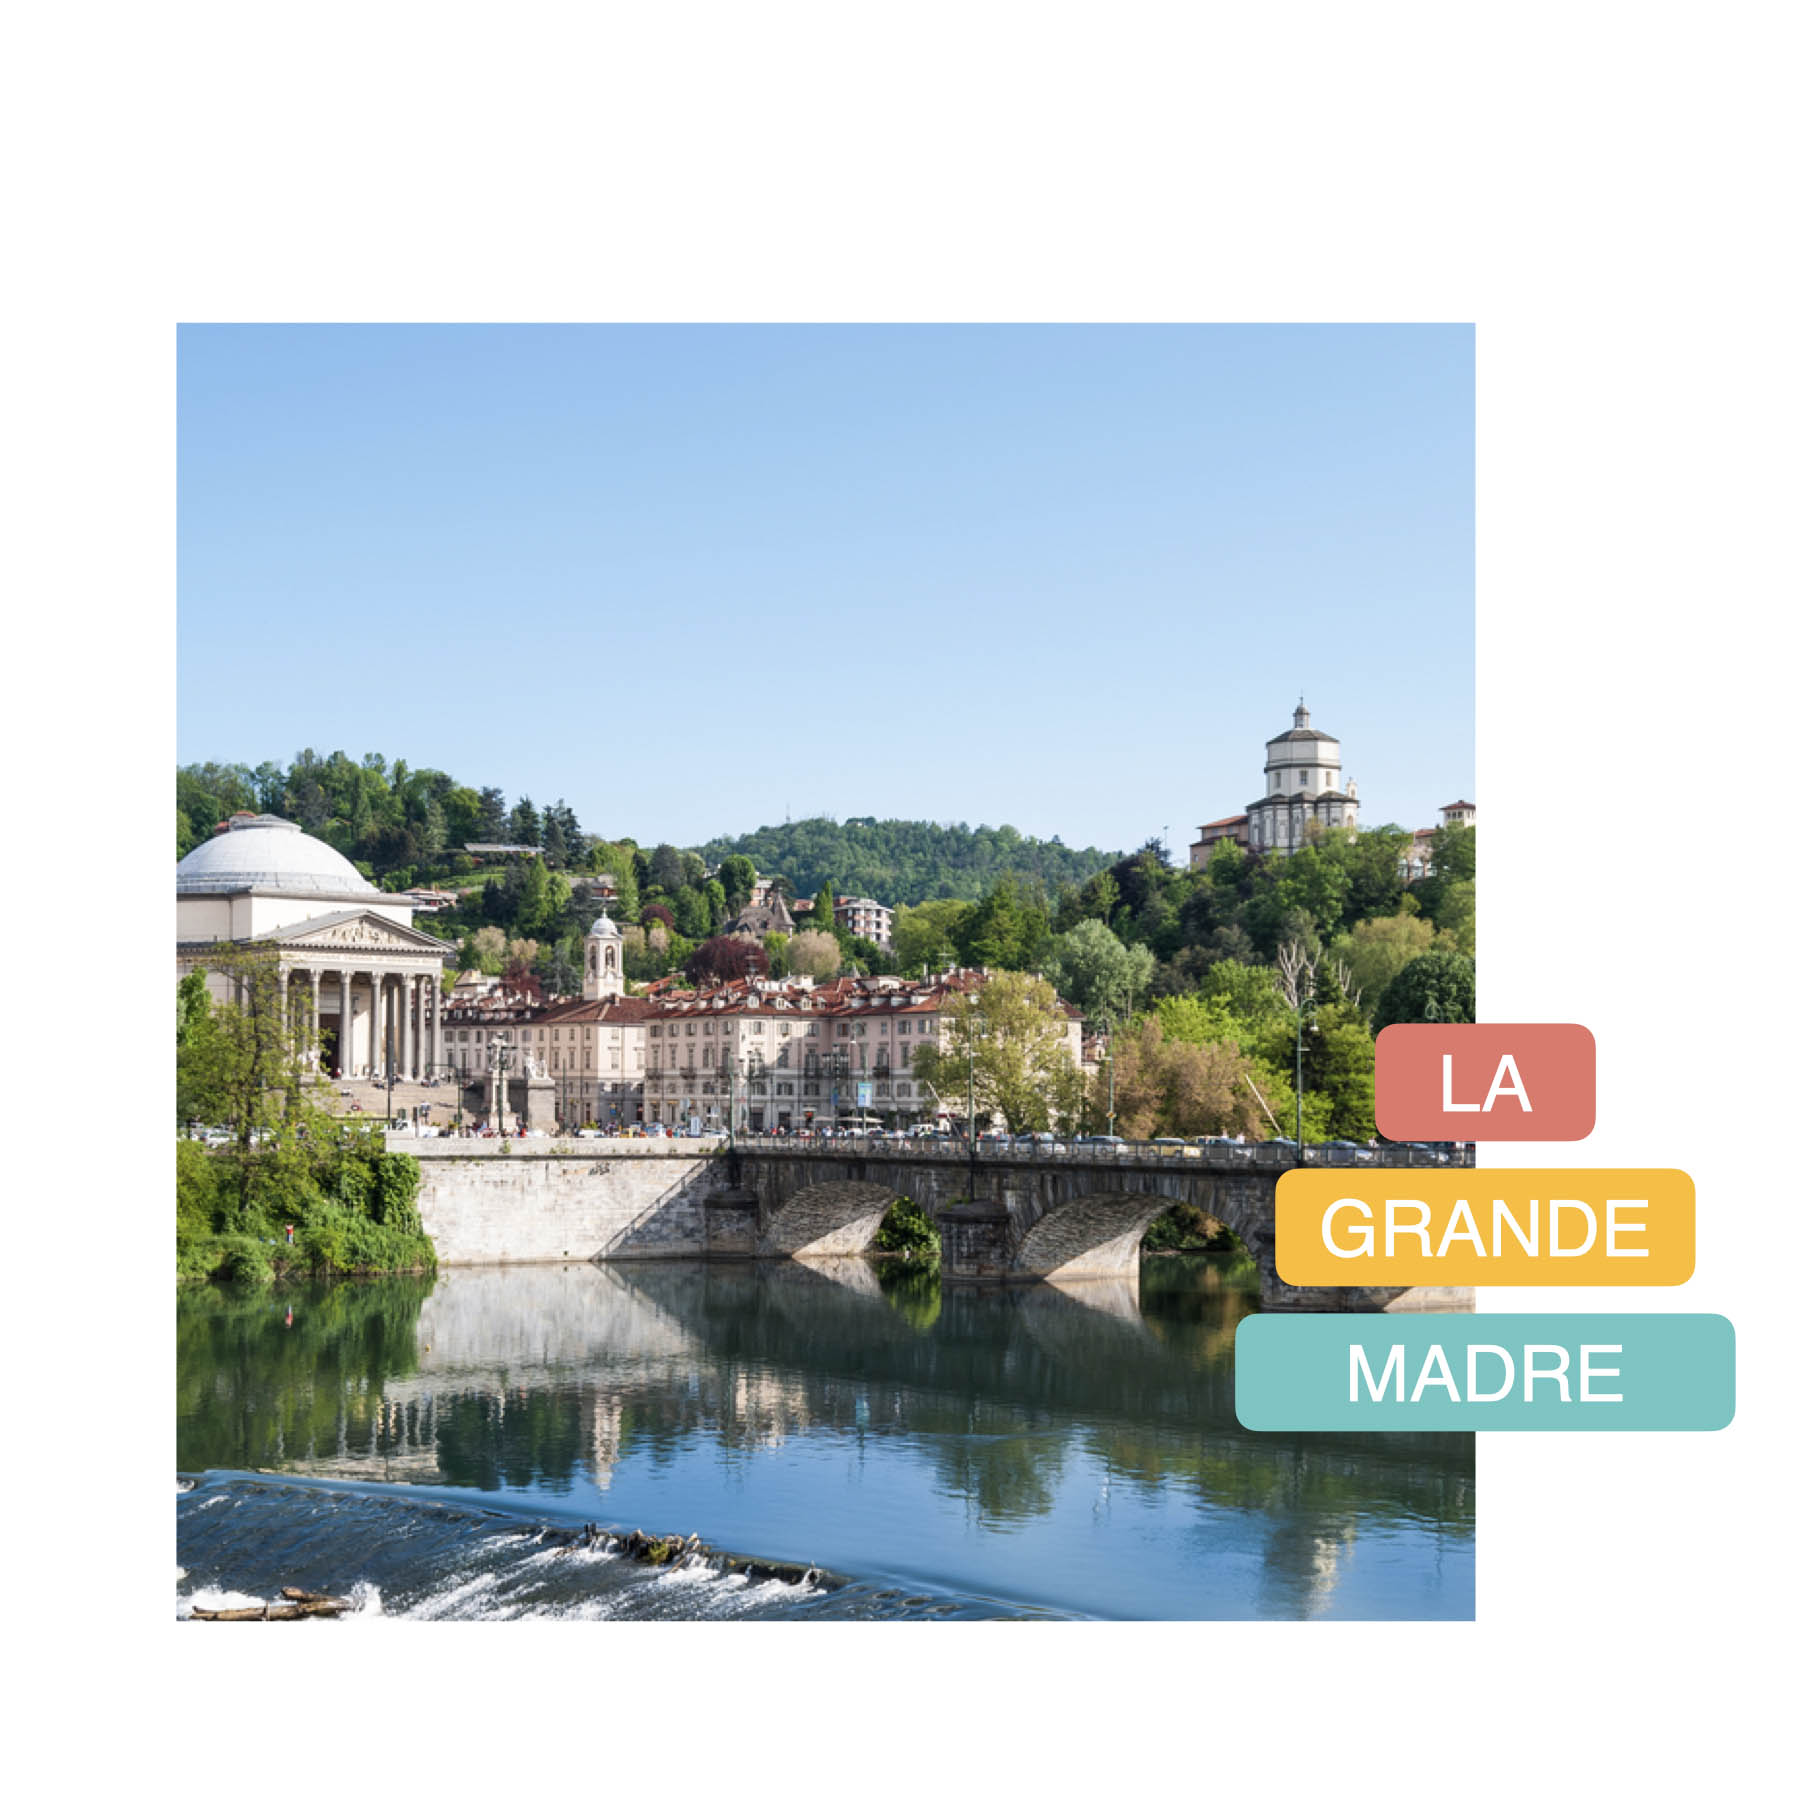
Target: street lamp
1302,1005
500,1060
1111,1087
976,1029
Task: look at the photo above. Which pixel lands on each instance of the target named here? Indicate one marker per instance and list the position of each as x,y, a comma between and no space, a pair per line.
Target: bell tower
603,967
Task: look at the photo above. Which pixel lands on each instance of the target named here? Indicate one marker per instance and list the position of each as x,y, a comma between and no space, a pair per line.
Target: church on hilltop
1304,782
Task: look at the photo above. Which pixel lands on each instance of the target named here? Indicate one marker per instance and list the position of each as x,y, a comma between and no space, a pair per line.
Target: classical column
436,979
408,986
345,1015
378,1024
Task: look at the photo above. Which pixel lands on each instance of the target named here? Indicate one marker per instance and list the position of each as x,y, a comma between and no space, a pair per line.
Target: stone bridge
1064,1211
1009,1214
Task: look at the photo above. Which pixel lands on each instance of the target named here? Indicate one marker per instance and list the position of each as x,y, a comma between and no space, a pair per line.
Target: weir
1003,1217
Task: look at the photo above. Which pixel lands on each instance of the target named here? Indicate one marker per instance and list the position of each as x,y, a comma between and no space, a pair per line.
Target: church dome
603,927
270,853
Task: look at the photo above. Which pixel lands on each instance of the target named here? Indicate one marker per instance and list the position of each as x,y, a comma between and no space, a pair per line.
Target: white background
1594,186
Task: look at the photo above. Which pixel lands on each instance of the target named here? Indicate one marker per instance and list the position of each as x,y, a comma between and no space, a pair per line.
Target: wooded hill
903,861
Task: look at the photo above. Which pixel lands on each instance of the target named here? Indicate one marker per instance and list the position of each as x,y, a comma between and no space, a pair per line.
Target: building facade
349,954
758,1053
866,919
1303,786
1418,861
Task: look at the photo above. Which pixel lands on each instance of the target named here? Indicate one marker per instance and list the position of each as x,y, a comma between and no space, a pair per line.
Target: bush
244,1259
907,1231
354,1210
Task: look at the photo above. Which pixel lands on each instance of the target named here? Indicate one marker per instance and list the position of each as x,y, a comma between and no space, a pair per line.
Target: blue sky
693,580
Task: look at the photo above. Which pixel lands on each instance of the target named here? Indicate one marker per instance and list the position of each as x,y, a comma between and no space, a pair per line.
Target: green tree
737,876
1376,950
926,935
192,1004
693,916
1006,930
1437,988
1340,1063
1094,971
241,1064
1011,1036
667,870
490,817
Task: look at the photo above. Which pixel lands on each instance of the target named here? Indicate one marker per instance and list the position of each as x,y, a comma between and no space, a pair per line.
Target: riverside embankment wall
535,1204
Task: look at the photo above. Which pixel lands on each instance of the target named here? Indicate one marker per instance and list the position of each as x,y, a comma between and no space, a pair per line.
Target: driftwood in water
300,1604
673,1551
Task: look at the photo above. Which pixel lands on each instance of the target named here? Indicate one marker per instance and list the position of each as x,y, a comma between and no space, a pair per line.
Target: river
435,1448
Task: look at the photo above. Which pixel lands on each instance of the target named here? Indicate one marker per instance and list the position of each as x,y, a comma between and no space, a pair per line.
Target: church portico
371,982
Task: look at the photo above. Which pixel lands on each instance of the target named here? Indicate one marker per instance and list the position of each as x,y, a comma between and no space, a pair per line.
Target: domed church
1305,777
375,984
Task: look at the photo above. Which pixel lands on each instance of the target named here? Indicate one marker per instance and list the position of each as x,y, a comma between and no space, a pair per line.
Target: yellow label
1484,1227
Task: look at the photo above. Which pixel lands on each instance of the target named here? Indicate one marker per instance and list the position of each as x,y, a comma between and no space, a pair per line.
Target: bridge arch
828,1218
1101,1232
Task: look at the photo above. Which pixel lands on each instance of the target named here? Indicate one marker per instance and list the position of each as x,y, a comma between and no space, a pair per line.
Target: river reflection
1071,1448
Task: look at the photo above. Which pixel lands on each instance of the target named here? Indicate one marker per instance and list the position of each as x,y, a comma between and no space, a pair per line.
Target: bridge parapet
1037,1151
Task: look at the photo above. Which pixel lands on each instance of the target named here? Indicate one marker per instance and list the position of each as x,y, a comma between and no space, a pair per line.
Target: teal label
1488,1372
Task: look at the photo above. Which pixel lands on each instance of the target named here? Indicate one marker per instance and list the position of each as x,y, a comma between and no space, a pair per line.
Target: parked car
1348,1150
656,1129
1170,1146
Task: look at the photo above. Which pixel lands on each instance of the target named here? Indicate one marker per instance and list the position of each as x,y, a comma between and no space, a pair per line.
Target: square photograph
760,911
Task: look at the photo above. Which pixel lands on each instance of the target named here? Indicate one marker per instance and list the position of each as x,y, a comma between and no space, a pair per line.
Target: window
1303,778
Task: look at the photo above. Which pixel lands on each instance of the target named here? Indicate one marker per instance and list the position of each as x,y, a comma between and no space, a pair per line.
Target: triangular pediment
355,929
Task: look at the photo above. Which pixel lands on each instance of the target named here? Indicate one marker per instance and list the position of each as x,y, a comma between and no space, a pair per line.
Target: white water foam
365,1600
448,1602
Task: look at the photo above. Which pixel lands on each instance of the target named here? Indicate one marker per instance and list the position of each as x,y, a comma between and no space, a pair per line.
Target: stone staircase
344,1097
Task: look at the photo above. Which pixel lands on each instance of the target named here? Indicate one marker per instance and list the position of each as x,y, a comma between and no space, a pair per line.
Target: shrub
244,1258
907,1231
196,1189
